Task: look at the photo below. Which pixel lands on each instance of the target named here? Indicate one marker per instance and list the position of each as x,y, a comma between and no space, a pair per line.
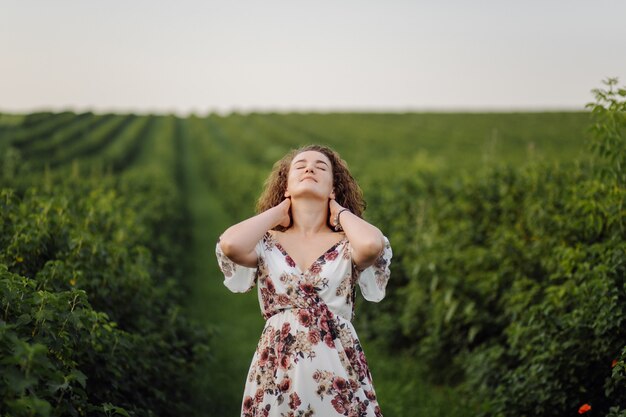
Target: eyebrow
304,160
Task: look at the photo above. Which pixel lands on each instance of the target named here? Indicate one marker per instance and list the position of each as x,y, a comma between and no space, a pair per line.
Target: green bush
609,129
510,282
91,321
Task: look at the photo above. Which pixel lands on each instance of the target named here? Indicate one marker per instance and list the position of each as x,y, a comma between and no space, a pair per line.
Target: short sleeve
237,278
373,279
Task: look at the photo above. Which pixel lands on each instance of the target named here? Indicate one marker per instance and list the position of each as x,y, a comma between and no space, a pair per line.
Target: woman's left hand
335,207
366,240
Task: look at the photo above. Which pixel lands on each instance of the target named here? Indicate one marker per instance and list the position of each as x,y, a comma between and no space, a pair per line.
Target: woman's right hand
283,207
239,240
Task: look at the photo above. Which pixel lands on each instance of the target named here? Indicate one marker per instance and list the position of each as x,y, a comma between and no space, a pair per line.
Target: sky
343,55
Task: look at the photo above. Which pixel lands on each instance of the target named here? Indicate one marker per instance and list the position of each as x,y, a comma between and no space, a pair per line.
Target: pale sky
341,55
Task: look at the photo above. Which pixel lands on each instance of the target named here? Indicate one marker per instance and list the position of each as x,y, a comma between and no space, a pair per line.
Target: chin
307,195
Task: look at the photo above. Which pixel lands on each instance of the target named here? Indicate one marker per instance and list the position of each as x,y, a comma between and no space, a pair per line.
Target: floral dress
309,361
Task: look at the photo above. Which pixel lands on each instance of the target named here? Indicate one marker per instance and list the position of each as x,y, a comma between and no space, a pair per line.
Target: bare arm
367,240
238,241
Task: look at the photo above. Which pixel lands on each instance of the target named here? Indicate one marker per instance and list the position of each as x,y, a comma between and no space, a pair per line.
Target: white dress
309,361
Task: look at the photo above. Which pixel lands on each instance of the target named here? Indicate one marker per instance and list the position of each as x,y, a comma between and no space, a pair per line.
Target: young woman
307,249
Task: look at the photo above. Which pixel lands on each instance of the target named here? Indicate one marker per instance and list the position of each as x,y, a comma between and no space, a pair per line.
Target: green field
214,166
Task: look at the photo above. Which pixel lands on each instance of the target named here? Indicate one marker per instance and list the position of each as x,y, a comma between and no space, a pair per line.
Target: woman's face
310,174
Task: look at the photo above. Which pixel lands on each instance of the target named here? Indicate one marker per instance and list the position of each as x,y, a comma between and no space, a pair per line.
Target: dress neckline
316,261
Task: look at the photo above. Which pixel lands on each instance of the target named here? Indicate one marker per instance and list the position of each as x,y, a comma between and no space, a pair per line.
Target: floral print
309,361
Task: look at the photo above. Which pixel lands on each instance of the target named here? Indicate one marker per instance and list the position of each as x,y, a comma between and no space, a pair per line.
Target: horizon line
246,110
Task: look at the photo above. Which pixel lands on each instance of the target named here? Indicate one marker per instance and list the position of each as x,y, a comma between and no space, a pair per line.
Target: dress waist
280,310
295,309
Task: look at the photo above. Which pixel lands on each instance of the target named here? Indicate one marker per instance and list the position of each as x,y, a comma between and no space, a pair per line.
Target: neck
309,216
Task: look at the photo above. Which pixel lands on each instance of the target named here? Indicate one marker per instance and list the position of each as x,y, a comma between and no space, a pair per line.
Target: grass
402,390
235,319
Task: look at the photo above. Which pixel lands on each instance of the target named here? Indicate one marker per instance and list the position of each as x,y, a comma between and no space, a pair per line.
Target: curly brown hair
347,192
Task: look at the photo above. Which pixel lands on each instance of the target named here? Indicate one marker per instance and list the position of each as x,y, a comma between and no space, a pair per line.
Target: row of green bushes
510,283
91,295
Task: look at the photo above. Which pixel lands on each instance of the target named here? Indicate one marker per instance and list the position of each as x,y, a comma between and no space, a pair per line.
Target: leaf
112,410
79,377
23,319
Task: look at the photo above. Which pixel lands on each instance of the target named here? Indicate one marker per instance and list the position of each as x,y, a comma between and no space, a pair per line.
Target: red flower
290,261
370,395
294,401
340,384
328,339
304,317
285,361
332,255
362,358
340,404
247,403
324,323
584,408
315,268
307,288
265,354
284,331
614,363
283,299
314,336
259,395
354,385
285,384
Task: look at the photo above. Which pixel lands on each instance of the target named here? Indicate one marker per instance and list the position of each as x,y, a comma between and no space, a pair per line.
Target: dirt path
237,316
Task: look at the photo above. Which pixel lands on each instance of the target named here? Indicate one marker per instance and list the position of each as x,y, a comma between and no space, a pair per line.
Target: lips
308,178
